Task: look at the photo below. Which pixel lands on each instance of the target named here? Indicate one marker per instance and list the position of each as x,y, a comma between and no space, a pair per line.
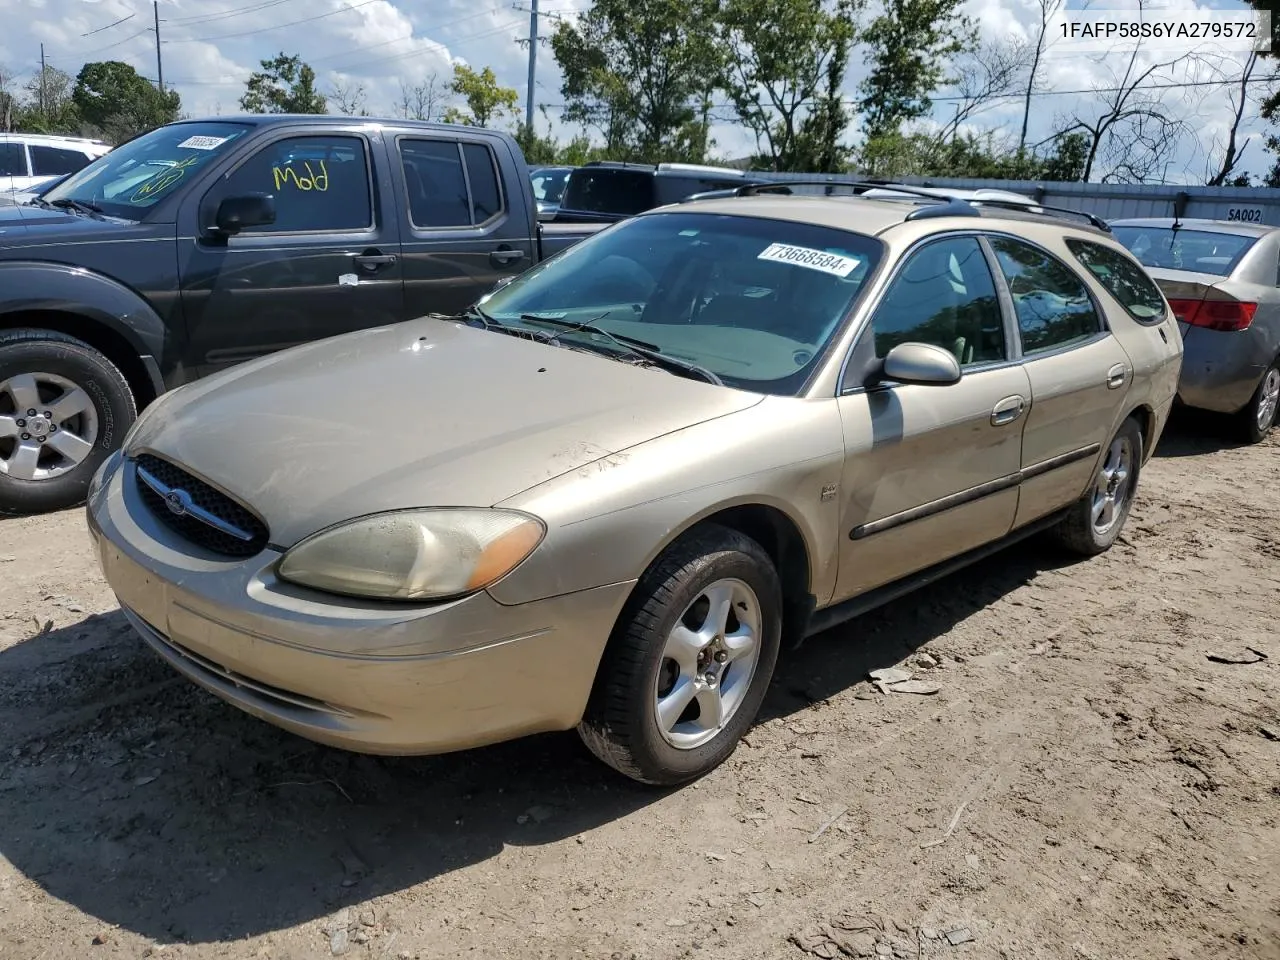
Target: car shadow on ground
111,765
1195,433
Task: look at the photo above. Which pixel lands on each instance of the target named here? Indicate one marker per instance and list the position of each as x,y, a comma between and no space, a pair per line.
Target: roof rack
945,206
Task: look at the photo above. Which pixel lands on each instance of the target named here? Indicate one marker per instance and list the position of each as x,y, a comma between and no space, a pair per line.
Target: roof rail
953,206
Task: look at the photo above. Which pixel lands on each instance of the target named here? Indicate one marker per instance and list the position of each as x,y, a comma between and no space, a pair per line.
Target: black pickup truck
205,243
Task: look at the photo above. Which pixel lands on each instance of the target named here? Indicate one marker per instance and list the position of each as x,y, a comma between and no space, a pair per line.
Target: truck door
468,222
328,265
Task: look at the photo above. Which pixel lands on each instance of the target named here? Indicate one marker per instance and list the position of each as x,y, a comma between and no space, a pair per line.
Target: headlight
427,554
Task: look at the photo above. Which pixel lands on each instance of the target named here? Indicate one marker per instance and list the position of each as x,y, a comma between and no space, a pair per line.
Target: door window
1053,305
944,296
450,184
13,162
321,184
54,161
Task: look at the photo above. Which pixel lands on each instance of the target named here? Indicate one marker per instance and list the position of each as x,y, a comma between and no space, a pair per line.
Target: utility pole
44,112
533,64
155,9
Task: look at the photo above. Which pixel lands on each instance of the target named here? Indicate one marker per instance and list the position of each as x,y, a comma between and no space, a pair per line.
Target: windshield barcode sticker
832,263
201,143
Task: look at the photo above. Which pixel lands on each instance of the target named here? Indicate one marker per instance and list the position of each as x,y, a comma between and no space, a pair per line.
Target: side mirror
250,210
921,363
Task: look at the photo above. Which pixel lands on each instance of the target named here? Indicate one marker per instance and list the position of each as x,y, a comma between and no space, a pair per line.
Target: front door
932,471
1078,372
465,232
328,265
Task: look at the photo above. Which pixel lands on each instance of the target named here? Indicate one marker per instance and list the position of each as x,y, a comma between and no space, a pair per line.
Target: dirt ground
1087,783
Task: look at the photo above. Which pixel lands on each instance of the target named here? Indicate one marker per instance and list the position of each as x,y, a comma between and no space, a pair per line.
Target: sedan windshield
137,175
1200,251
754,301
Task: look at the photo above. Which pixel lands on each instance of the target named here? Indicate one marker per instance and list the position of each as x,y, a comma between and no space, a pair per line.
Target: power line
279,26
109,25
226,14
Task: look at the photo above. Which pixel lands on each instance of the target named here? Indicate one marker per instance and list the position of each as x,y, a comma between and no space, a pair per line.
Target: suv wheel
1096,520
689,661
64,408
1259,415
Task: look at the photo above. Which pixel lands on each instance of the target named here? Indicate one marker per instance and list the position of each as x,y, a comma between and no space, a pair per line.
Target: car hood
24,224
423,413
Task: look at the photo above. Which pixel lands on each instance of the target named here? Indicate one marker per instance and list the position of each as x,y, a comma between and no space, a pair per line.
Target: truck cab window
321,184
435,182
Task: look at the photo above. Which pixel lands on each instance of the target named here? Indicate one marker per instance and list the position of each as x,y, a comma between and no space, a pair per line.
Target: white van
30,159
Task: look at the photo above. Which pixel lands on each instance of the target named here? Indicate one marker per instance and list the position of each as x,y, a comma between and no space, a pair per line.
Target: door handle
1116,376
505,255
372,261
1007,410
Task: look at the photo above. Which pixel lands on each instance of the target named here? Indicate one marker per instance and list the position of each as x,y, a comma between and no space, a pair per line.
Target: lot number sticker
201,143
832,263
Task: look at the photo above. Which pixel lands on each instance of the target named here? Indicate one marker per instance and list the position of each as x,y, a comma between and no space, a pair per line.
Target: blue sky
210,47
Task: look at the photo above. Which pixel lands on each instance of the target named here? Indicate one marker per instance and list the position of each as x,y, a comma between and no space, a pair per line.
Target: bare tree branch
1233,151
347,98
984,77
422,101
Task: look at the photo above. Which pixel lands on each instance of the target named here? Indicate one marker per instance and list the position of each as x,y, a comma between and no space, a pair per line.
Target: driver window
320,184
944,296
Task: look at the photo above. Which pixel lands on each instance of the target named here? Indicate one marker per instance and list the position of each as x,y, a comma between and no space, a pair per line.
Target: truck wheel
64,408
1255,421
689,662
1096,520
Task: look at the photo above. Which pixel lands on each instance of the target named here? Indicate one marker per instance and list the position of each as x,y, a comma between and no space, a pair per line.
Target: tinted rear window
1200,251
1123,279
624,192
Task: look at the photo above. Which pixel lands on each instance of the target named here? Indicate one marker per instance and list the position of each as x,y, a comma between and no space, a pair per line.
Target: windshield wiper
83,206
489,323
631,345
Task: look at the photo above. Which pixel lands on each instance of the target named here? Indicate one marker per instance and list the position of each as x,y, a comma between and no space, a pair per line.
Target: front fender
608,520
38,285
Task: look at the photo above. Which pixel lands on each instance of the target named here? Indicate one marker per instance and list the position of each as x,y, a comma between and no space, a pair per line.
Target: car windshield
137,175
754,301
548,185
1200,251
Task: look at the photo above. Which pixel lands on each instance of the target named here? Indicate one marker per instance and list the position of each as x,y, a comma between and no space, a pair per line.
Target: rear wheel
1255,421
64,408
689,661
1096,520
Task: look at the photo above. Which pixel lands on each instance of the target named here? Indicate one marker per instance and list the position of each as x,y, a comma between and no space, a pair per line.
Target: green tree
782,56
284,85
47,106
486,100
112,98
641,72
909,47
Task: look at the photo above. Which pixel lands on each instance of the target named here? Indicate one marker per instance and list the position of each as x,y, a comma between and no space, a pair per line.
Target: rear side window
13,163
54,161
1123,278
621,192
449,184
1053,305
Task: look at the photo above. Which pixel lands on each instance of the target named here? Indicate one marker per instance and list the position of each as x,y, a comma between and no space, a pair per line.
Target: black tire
49,352
620,724
1248,427
1077,531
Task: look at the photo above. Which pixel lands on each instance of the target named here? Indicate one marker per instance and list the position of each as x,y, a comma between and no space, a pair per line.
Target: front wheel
64,408
1096,520
1259,415
689,662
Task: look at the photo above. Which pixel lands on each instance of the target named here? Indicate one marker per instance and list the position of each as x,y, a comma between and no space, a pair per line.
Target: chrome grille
197,511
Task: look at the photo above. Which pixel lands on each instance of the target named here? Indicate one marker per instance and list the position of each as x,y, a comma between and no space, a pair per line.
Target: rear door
465,223
330,263
1078,370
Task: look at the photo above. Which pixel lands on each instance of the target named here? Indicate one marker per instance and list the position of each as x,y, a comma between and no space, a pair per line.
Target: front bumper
1220,370
365,676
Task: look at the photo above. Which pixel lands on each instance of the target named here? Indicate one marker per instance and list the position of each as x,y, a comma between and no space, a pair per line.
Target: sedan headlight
428,554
